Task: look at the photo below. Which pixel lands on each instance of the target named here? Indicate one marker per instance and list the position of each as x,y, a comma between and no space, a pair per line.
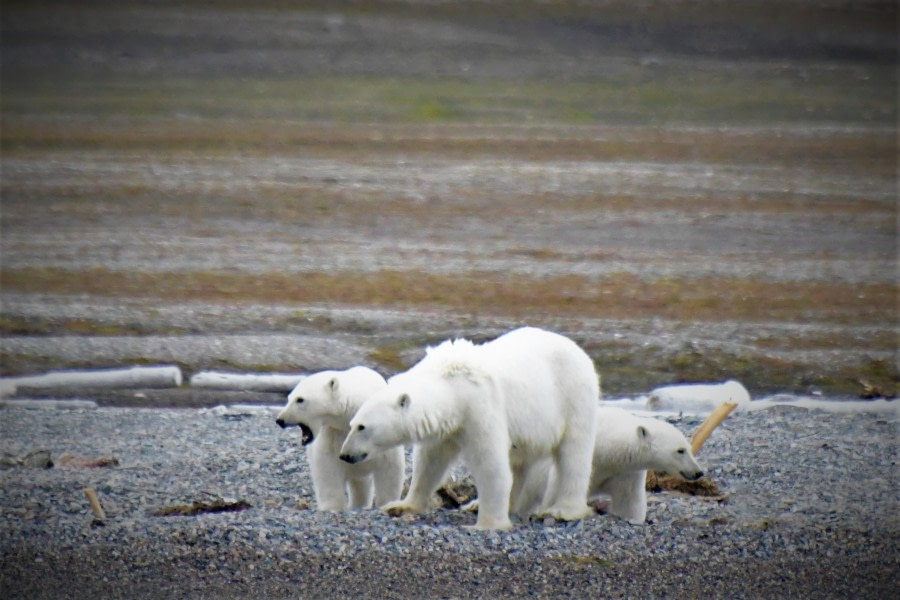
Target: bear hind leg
530,484
628,496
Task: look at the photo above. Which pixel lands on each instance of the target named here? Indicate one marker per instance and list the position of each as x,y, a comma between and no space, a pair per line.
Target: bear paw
492,525
399,509
567,513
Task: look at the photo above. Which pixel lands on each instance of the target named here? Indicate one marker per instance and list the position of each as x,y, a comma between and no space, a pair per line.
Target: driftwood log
99,515
246,382
167,376
199,507
710,423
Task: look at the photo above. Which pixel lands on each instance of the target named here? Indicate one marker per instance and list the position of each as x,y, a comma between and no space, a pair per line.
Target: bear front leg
360,492
389,477
328,481
494,481
430,465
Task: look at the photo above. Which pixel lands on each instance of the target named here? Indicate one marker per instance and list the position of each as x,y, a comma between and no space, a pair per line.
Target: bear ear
642,433
403,401
333,384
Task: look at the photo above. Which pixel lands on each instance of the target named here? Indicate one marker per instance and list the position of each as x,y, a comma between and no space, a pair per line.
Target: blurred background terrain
692,190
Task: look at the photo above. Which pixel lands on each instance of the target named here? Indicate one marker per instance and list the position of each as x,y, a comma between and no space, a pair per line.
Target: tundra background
690,190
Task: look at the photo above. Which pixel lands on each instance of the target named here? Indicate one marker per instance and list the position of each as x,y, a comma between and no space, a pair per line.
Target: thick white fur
330,399
626,446
505,408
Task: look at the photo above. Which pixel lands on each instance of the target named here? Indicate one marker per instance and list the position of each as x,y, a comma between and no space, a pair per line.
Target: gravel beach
810,511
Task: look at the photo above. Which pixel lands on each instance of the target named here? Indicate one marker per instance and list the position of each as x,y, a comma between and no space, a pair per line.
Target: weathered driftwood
697,396
132,377
36,459
710,423
99,515
199,507
48,404
246,382
870,391
71,461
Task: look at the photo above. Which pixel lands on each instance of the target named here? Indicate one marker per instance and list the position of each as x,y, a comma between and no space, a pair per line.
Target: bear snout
281,423
353,458
692,476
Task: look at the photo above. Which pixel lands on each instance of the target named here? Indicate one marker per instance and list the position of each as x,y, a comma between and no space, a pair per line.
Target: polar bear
322,405
503,407
626,446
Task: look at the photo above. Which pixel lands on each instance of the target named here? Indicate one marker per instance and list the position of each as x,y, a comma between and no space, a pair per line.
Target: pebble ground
810,512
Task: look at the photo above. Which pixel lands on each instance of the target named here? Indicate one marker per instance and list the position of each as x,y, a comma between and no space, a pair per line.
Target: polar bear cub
322,406
626,446
505,407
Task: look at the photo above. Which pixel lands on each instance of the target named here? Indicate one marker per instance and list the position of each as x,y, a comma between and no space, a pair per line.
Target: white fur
698,396
506,408
330,399
626,446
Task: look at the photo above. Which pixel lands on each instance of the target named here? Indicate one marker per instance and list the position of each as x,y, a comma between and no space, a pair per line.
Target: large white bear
322,406
625,448
504,407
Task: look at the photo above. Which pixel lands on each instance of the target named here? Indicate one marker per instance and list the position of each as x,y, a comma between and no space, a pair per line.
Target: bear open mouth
306,434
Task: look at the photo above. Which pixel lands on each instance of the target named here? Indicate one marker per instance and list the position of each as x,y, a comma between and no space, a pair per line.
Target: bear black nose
353,459
280,423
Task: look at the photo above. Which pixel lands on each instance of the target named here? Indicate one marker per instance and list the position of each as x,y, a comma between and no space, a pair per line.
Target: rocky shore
808,511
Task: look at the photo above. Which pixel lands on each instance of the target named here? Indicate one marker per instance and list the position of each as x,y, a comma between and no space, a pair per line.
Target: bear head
378,425
328,399
668,449
412,408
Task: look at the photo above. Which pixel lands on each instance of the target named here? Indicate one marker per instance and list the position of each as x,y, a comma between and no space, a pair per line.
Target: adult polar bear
322,405
504,407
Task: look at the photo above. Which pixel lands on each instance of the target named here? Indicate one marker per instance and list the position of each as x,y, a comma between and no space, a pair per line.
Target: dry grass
617,296
870,150
883,339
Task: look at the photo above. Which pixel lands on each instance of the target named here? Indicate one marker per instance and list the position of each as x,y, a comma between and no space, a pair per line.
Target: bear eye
681,451
360,427
299,400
